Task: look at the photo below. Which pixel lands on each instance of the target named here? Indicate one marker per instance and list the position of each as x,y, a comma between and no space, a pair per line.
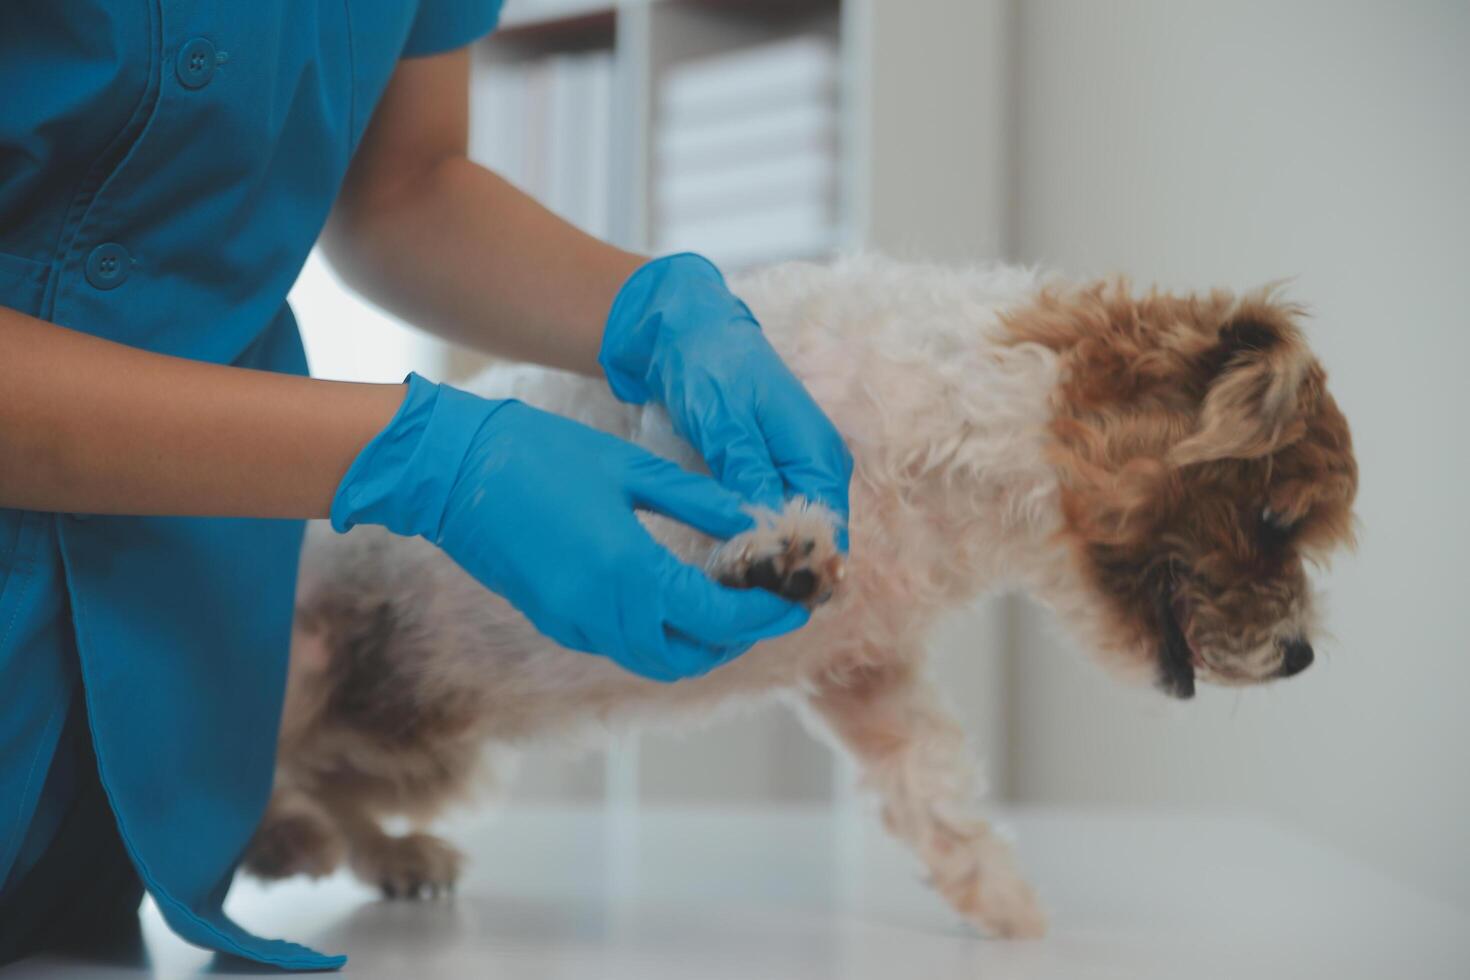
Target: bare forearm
467,255
90,426
451,247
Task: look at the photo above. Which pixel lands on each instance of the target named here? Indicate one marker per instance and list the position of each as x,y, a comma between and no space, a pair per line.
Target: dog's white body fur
952,496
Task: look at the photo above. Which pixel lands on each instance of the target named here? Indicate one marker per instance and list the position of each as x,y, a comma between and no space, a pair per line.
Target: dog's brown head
1202,464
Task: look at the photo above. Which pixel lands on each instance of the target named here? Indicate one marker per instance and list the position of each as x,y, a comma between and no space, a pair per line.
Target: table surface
675,894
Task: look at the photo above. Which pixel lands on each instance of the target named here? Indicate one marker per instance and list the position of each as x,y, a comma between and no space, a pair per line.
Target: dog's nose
1295,657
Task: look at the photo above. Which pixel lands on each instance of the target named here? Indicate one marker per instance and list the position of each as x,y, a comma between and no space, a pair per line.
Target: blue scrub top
165,168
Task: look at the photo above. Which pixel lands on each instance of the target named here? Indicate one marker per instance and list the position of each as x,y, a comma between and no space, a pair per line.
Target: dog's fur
1156,468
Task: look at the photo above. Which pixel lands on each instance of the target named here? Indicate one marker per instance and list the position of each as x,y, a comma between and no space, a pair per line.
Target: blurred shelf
652,41
523,15
571,31
550,15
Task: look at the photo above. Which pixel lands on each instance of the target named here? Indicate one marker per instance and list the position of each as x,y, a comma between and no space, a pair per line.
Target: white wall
347,338
930,94
1234,143
931,139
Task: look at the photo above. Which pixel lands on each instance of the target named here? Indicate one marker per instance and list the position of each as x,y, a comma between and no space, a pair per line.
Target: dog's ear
1257,376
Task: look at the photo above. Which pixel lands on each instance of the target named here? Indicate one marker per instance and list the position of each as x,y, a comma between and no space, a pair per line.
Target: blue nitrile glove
678,336
539,509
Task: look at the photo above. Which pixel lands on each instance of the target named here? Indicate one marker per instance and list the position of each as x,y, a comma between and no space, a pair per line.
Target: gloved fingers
734,447
566,633
604,630
688,658
745,468
809,453
665,653
652,651
727,654
824,480
690,498
658,665
825,484
718,616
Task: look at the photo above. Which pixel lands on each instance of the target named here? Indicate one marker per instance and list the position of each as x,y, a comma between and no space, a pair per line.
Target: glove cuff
403,477
631,334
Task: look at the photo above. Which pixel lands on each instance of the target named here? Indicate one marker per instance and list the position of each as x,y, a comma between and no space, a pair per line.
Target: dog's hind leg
913,753
296,836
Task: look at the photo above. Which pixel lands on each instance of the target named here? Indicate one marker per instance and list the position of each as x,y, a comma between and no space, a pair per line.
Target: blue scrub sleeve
443,25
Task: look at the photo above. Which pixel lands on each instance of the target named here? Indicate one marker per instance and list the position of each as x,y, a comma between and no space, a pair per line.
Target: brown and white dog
1157,468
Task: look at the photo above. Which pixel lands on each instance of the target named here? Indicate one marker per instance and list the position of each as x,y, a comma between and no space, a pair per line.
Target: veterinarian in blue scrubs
165,168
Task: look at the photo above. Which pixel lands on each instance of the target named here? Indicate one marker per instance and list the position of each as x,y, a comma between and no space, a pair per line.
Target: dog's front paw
991,894
410,866
793,554
1007,907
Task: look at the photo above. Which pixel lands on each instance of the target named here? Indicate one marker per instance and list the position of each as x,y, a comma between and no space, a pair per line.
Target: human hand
540,509
677,336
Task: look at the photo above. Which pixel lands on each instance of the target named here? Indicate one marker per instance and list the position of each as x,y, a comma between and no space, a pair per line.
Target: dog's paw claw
412,866
793,554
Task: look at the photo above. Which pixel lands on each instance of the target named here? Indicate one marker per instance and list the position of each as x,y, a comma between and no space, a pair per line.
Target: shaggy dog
1156,468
